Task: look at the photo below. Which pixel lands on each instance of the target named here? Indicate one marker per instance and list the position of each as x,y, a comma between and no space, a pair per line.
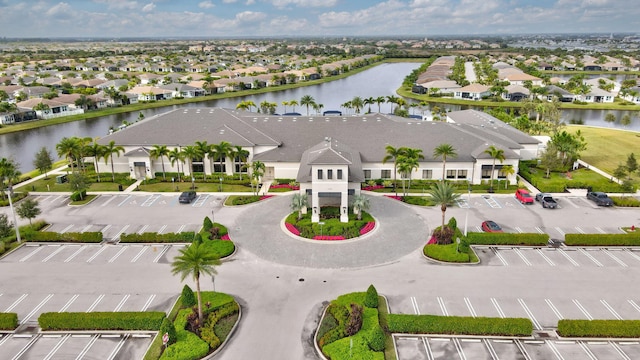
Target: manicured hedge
625,201
222,248
153,237
49,236
149,321
8,321
453,253
631,239
599,328
481,238
459,325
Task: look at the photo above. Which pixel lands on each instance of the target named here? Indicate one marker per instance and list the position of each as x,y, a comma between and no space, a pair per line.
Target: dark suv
186,197
599,198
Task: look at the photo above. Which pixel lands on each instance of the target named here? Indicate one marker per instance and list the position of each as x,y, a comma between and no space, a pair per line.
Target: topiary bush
371,299
453,223
206,224
8,321
167,328
188,298
376,338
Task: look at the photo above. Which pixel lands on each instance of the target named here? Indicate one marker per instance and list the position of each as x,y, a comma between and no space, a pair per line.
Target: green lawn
200,186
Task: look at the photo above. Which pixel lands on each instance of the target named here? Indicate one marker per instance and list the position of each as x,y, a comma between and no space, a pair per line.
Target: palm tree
293,103
360,204
412,160
68,147
444,151
109,150
406,166
307,100
393,153
357,103
257,170
96,151
496,154
298,203
369,101
443,194
191,152
242,155
221,151
204,149
508,170
160,151
9,173
176,156
285,103
379,100
195,260
392,99
83,150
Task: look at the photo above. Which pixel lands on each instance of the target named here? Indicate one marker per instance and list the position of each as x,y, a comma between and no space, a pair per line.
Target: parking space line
414,304
80,249
582,309
478,228
66,229
524,258
94,256
181,229
587,350
560,231
200,200
141,231
142,251
580,230
462,203
498,308
117,236
121,303
35,251
530,314
545,257
15,303
456,343
600,230
622,263
522,349
124,201
595,261
87,347
57,347
85,228
165,248
617,348
555,350
26,347
162,229
104,229
633,303
66,306
35,310
539,230
499,256
443,308
630,252
118,347
114,257
493,203
554,309
427,347
95,303
470,307
148,202
564,253
148,303
518,229
490,348
611,310
108,200
60,248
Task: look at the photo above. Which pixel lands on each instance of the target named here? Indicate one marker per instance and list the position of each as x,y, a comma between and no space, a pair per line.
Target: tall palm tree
175,156
9,173
221,151
379,100
496,154
299,202
242,155
307,100
360,204
393,153
191,152
409,161
369,101
109,150
357,103
444,151
204,149
285,103
257,170
508,170
68,147
443,194
96,151
160,151
392,99
83,150
293,103
195,260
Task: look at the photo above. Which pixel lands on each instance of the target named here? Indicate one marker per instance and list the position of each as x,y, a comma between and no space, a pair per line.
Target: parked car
524,196
187,197
600,198
546,200
491,226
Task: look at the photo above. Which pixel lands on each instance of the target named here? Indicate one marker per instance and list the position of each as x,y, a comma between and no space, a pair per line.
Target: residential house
53,108
472,92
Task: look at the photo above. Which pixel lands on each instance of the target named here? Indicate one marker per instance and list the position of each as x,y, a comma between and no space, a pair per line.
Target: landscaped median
8,321
599,328
629,239
516,239
125,321
459,325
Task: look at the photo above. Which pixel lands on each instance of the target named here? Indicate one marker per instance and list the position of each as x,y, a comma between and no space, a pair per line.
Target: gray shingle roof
330,152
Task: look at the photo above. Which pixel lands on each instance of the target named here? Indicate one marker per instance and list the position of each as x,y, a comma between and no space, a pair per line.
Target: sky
291,18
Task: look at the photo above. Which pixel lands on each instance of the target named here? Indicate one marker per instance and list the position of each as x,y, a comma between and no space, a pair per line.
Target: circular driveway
399,231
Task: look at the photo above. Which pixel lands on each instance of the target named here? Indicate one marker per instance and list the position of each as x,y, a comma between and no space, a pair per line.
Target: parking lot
559,257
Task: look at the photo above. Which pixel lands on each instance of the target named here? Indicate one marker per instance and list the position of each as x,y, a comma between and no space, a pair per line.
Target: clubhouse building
330,156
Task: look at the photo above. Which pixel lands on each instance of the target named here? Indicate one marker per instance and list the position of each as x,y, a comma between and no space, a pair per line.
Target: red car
491,226
524,196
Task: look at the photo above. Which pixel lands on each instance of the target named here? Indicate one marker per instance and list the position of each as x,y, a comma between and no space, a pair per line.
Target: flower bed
396,197
368,227
263,197
372,188
225,237
292,229
328,237
284,186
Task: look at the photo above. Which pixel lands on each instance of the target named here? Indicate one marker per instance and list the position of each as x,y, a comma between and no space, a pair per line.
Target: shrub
376,338
188,298
167,328
153,237
207,224
371,300
453,224
49,236
630,239
354,323
476,238
453,253
459,325
8,321
149,321
625,201
78,195
188,347
222,248
599,328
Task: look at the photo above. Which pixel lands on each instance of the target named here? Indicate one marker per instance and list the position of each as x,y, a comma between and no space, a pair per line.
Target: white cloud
149,7
304,3
250,2
206,4
119,4
229,1
60,9
250,16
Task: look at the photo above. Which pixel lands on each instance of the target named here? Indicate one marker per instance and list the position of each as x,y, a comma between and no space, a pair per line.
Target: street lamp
221,184
466,215
15,222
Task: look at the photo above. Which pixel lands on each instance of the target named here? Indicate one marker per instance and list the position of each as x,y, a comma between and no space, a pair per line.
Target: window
486,173
367,174
451,174
427,174
339,174
386,174
502,174
329,174
462,174
319,174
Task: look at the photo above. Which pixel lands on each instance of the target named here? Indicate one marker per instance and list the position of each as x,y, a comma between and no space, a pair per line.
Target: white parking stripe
60,248
66,306
121,303
104,229
633,255
566,255
580,230
635,306
161,254
80,249
560,231
66,229
490,348
456,343
554,309
57,347
622,263
85,229
108,201
26,347
95,303
117,236
530,314
87,347
443,308
148,202
524,258
427,347
595,261
554,350
36,309
414,304
587,350
497,306
582,309
94,256
114,257
619,350
118,347
518,229
539,230
141,231
124,201
181,229
545,257
26,257
162,229
470,307
611,310
499,256
15,303
148,303
142,251
600,230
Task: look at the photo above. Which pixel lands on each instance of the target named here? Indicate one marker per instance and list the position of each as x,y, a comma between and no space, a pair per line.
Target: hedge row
599,328
49,236
631,239
154,237
459,325
478,238
8,321
207,332
149,321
